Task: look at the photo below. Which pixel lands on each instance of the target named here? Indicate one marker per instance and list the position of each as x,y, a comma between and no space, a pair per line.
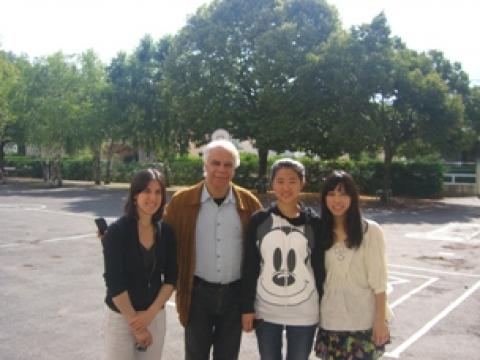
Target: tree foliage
138,111
236,65
406,100
10,80
472,115
93,127
281,73
53,109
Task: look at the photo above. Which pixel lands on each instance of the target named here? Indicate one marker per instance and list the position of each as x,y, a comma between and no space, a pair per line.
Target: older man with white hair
210,221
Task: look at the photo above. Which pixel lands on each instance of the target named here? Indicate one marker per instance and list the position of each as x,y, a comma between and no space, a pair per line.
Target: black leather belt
199,281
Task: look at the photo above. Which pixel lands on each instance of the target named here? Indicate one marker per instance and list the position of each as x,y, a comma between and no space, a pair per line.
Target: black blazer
124,266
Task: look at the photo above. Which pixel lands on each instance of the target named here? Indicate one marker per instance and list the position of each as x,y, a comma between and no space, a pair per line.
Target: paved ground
52,289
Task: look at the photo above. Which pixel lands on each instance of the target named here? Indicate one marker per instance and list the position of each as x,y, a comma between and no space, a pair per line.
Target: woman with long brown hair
140,272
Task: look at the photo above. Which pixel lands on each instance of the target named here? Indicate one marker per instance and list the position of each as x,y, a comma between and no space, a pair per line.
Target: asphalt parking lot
52,288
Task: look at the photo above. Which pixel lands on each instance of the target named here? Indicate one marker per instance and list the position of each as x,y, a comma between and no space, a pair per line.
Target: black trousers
214,320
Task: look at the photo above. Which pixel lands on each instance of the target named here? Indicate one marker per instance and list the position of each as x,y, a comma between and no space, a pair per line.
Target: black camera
140,347
101,225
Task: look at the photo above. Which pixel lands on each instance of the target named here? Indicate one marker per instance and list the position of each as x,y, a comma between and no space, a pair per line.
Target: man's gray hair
224,144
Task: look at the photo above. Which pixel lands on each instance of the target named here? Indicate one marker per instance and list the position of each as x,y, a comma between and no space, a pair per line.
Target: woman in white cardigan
353,310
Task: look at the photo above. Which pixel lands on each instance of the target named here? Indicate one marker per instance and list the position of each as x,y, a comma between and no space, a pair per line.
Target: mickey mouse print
286,277
283,268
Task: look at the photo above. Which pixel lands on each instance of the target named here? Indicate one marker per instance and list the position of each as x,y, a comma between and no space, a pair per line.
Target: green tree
53,111
93,120
146,74
16,130
406,101
236,65
332,99
452,73
118,105
137,111
9,78
472,114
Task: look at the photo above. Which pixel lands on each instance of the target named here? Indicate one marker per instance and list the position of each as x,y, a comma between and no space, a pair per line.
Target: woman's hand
141,320
381,333
143,338
247,321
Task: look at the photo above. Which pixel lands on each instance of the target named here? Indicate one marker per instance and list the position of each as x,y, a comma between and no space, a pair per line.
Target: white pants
120,342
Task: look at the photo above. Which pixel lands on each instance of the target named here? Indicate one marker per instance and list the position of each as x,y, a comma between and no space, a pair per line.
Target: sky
42,27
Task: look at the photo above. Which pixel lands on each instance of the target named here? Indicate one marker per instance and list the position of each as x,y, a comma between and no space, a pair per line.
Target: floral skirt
347,345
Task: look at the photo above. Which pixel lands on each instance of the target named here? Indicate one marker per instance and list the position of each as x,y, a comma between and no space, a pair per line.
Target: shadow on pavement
109,200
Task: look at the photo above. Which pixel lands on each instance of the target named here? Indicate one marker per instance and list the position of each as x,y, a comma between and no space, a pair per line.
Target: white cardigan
354,276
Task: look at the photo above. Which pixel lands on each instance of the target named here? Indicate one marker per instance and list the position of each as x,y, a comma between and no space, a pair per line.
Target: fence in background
461,179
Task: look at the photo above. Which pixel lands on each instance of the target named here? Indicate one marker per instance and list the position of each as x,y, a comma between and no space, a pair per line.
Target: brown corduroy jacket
181,214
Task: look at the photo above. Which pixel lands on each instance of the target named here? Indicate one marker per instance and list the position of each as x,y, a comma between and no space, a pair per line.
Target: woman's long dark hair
139,183
353,219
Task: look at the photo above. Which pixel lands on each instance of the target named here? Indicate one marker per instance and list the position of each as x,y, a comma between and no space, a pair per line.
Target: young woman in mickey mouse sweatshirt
283,269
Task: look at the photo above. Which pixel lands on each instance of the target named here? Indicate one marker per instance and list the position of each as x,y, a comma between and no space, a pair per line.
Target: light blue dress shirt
218,236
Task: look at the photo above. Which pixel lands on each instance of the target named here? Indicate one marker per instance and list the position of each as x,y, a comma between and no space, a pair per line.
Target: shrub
419,178
77,169
185,170
25,166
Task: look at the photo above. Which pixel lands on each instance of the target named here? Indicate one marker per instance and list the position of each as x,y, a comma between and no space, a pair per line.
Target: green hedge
417,179
185,170
77,169
25,166
413,179
72,169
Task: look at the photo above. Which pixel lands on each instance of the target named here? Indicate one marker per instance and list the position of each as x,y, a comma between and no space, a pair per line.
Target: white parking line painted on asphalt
2,246
435,271
67,213
74,237
43,208
453,232
412,292
410,274
9,207
394,280
424,329
35,242
446,254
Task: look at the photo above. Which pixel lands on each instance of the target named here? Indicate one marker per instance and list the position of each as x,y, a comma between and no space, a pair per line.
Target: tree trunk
387,176
2,162
46,170
96,165
22,149
166,170
108,170
2,156
57,171
262,170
